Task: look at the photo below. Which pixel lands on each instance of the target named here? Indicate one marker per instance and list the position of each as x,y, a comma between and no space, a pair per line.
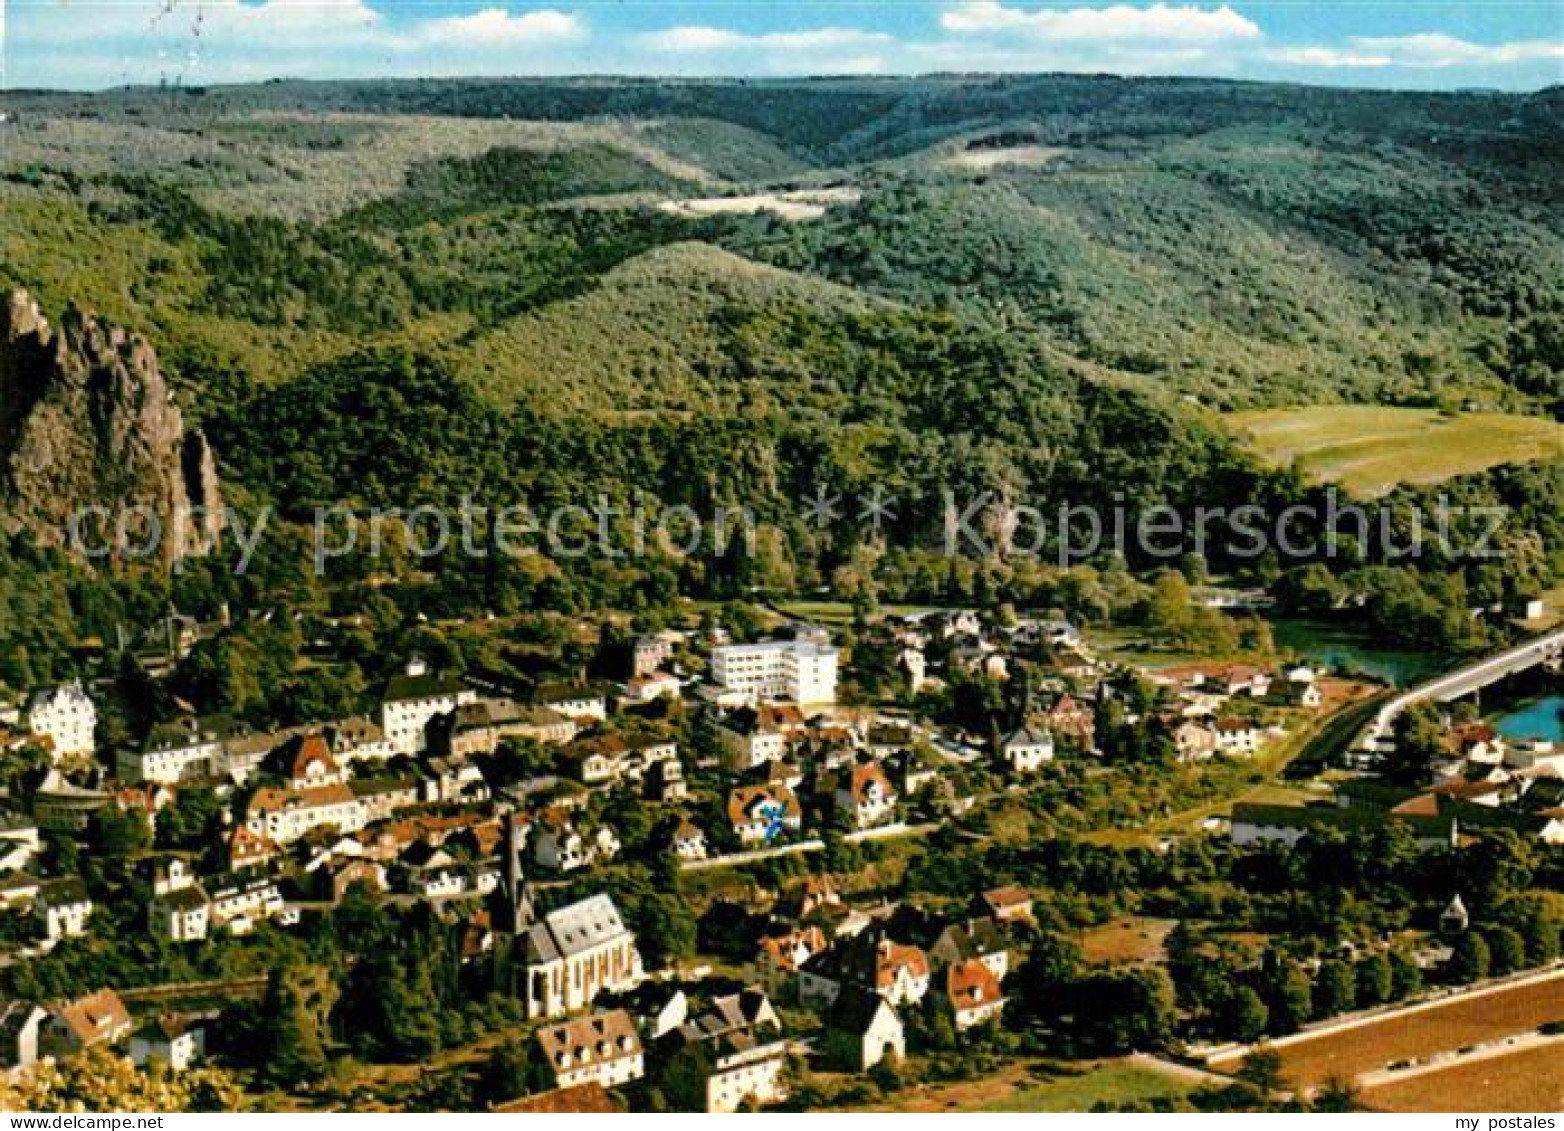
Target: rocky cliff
88,426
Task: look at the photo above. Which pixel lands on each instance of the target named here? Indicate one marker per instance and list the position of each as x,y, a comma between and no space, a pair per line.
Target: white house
64,906
67,717
1236,737
689,843
1027,750
179,751
797,671
413,699
182,915
285,815
575,702
175,1041
866,795
602,1049
973,994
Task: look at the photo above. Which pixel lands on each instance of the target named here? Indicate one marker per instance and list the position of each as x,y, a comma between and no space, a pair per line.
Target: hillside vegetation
1045,289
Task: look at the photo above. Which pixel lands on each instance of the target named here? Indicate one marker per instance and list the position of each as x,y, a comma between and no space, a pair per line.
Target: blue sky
85,44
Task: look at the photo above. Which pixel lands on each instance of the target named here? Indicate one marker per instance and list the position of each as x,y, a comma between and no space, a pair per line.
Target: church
560,961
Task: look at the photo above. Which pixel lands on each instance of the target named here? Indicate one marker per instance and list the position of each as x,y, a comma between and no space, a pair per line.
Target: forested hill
1051,288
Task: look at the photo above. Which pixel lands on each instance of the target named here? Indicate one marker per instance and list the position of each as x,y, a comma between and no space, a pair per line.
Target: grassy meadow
1370,450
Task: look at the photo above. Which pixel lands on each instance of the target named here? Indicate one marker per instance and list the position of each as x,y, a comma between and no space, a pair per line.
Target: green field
1116,1083
1370,450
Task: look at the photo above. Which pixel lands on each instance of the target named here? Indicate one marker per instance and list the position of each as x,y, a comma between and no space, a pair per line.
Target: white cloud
1432,49
1160,23
695,38
495,27
1326,57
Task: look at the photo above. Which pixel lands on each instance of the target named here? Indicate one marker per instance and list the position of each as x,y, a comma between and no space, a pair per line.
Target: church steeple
516,911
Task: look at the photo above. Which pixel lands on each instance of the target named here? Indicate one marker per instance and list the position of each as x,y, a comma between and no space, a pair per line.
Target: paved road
1463,681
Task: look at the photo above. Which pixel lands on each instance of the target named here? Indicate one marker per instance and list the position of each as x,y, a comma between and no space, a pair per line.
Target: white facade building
67,717
796,671
412,700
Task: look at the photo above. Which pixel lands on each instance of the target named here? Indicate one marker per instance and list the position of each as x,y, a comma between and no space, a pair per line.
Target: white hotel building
792,671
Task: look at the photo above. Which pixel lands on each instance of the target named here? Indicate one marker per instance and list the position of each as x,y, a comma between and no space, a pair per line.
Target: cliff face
87,420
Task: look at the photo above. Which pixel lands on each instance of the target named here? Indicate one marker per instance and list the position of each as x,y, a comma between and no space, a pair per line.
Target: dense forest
403,294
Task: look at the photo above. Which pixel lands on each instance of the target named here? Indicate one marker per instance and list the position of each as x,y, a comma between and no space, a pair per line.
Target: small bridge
1546,650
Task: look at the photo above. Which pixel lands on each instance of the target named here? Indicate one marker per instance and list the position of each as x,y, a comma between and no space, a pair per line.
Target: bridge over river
1547,649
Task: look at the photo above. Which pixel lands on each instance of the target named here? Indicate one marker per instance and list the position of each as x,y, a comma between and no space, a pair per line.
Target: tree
1538,930
1373,975
290,1045
1469,959
682,1080
1287,993
1052,962
1506,949
1419,739
122,833
1243,1016
1335,988
512,1071
667,930
100,1080
1123,1010
1405,978
1263,1069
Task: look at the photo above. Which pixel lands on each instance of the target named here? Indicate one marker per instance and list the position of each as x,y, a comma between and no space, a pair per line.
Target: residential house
240,901
742,1038
862,1029
96,1019
764,813
897,972
249,849
64,906
972,993
18,889
307,763
1027,750
688,842
666,782
651,687
285,815
413,699
453,779
359,739
780,956
175,1041
383,798
1007,904
602,1049
188,749
19,841
583,704
866,796
1070,720
1195,741
650,653
181,915
973,940
67,717
753,736
559,846
21,1027
1236,737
